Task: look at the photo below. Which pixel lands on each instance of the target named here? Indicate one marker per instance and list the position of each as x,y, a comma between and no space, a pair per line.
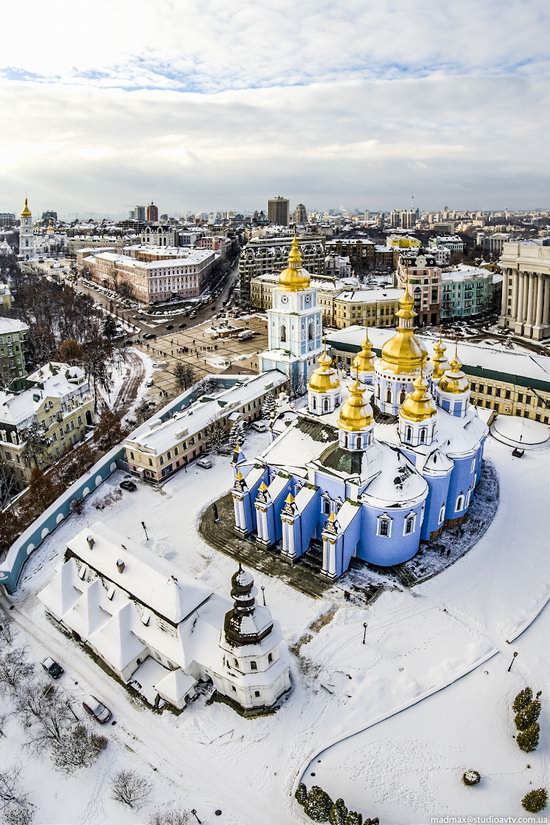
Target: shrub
535,801
528,739
338,814
523,698
301,794
471,777
318,804
527,715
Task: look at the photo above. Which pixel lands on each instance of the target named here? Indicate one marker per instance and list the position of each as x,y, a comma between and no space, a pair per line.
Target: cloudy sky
200,104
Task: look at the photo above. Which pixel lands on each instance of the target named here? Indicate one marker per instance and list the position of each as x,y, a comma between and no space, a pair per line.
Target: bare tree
131,789
14,803
79,748
170,817
7,632
50,728
15,668
185,375
217,433
8,483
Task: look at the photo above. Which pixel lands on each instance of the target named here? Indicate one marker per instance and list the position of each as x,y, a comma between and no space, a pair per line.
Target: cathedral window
283,332
410,522
326,506
253,666
384,526
423,435
359,442
310,332
408,433
403,395
459,503
441,514
270,657
388,395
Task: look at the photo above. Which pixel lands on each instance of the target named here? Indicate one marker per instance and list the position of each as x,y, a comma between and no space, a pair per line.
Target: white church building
163,634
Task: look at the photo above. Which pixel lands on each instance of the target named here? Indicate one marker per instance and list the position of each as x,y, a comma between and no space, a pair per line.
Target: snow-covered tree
130,788
301,794
170,817
338,814
79,748
355,818
535,801
528,739
527,715
523,698
15,669
14,802
236,434
35,444
7,632
318,804
217,434
269,406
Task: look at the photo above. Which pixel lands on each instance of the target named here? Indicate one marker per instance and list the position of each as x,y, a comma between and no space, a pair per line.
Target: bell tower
26,235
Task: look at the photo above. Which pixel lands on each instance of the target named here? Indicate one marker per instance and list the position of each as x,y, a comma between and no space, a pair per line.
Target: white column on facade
504,303
529,314
534,298
515,279
539,304
521,279
546,301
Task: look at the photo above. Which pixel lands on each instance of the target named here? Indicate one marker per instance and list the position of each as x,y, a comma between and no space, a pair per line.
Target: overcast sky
202,105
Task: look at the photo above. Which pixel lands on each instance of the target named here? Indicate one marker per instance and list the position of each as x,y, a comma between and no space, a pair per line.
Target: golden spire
439,359
355,413
263,487
294,278
364,360
419,404
404,353
324,378
289,499
26,212
239,476
454,380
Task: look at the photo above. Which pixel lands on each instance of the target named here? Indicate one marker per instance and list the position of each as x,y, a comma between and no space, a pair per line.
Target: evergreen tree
338,814
528,715
354,818
301,794
236,435
535,801
528,739
269,406
523,698
318,804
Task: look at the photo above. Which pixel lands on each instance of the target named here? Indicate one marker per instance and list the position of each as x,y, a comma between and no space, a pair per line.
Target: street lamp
263,593
364,632
513,659
195,815
145,530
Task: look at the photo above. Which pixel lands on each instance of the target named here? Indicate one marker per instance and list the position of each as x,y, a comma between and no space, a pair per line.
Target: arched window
313,403
378,390
283,333
384,526
459,503
408,527
403,395
441,514
325,404
408,433
310,331
359,442
388,395
422,435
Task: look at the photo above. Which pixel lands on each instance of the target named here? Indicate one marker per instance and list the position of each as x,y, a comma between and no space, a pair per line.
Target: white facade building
26,234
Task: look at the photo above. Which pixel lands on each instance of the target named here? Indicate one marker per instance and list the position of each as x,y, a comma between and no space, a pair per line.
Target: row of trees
319,807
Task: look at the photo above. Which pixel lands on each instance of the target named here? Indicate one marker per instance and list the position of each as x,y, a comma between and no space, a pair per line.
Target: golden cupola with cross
294,278
363,363
453,380
419,404
26,212
439,360
403,353
324,391
356,420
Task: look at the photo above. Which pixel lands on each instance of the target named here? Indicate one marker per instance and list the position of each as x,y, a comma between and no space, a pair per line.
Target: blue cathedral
366,471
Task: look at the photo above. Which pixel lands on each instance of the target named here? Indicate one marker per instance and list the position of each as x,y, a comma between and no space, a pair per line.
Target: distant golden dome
453,380
294,277
364,360
356,413
403,352
26,212
325,377
419,404
50,230
439,359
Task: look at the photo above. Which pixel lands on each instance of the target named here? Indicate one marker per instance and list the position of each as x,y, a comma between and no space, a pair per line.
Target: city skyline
204,109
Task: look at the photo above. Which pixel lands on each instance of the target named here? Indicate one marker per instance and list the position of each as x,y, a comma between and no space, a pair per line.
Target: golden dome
403,352
454,380
419,404
50,230
439,359
324,378
26,212
356,413
364,360
294,278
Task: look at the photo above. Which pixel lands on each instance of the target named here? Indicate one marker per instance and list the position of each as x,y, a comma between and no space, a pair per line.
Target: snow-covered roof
189,256
370,296
301,442
138,572
18,408
161,436
11,325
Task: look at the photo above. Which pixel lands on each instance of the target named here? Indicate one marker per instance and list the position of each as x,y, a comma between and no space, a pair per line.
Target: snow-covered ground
418,644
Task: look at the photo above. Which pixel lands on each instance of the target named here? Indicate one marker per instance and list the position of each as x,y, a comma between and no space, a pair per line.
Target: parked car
97,709
205,463
52,667
149,383
259,426
131,486
169,326
182,325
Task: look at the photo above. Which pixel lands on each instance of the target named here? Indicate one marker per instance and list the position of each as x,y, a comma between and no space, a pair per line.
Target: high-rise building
262,255
152,214
278,210
526,289
300,215
7,218
137,213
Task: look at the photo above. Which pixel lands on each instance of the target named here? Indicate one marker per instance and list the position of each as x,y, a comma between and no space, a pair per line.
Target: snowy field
394,722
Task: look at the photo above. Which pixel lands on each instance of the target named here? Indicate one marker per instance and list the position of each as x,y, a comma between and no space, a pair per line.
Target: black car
131,486
52,667
169,326
182,325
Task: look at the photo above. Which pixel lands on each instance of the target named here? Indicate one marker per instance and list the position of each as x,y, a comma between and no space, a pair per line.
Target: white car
259,426
205,463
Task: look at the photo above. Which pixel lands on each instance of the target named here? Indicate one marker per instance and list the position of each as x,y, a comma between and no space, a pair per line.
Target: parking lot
196,348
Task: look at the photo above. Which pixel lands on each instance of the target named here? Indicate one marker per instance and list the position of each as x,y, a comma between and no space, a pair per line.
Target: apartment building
57,397
469,291
264,255
13,345
425,283
160,448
